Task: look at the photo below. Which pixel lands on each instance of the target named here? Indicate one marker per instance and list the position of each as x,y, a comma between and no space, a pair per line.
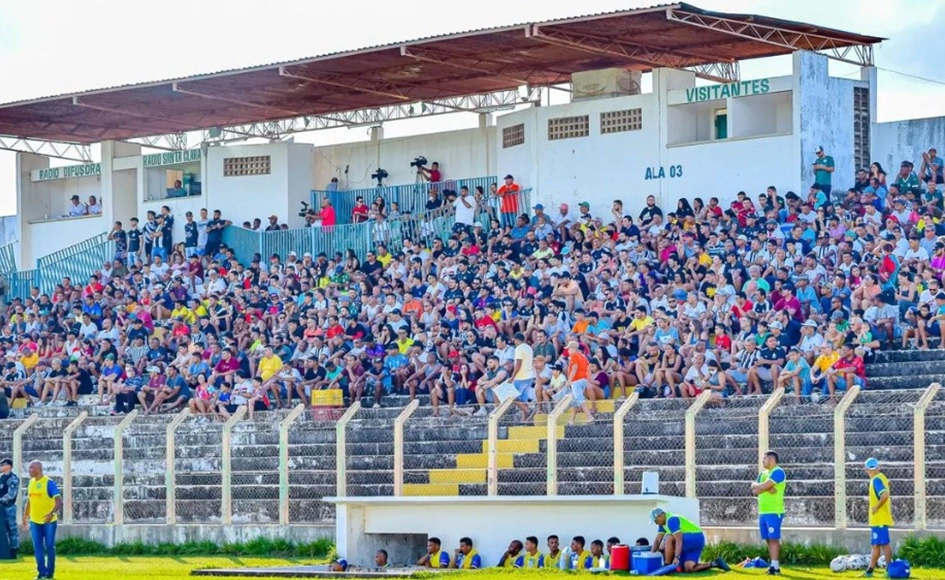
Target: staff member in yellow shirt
40,517
880,514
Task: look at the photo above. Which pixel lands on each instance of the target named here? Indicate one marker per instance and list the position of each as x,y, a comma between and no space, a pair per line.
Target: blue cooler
646,562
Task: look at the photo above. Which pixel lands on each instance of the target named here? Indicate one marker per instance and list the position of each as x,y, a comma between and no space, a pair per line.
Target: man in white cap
880,514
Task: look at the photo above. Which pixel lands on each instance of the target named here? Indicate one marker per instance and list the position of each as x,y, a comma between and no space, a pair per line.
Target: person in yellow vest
466,557
553,559
42,505
435,557
511,554
880,514
581,559
531,557
599,560
769,487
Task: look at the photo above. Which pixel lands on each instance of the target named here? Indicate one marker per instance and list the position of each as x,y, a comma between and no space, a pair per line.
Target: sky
49,47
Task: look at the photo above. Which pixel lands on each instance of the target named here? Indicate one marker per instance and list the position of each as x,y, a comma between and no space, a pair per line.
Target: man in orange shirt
509,195
577,379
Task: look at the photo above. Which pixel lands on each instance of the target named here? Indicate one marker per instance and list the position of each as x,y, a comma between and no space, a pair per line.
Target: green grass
179,567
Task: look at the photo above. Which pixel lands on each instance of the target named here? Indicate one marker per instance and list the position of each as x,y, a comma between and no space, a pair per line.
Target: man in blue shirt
932,167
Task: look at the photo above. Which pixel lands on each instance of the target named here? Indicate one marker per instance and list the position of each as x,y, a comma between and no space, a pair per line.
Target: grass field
174,568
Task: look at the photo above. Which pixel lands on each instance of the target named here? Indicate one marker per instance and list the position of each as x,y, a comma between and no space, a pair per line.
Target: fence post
619,417
67,466
918,441
18,459
552,442
226,466
840,457
764,433
691,413
119,515
492,471
399,446
341,449
170,479
284,462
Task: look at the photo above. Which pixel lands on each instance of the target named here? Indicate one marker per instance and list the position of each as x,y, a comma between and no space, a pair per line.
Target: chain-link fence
446,455
585,449
312,468
726,445
93,470
369,452
802,435
934,475
522,450
255,469
144,455
654,440
197,471
881,424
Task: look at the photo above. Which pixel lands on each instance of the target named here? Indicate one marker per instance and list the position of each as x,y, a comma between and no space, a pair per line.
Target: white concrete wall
365,524
823,114
301,182
892,143
466,153
52,236
246,198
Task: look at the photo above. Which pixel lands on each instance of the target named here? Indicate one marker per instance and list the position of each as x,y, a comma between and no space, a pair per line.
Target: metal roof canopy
325,90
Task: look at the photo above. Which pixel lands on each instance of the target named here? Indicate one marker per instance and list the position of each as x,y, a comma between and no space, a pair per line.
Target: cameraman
432,174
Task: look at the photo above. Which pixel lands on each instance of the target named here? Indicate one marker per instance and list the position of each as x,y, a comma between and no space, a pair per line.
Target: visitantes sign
739,89
68,172
171,158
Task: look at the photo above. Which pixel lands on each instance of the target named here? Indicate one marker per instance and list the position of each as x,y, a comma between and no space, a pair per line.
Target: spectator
823,168
508,193
77,208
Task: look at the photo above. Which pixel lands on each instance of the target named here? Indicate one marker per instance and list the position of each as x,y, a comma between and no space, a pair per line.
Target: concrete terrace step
908,356
906,381
892,369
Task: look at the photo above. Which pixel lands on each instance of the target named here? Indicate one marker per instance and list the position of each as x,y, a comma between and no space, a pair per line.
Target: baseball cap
584,204
810,323
539,206
871,463
6,461
820,149
655,513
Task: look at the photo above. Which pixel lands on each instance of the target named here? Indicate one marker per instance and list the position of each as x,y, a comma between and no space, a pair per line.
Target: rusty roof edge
770,20
426,40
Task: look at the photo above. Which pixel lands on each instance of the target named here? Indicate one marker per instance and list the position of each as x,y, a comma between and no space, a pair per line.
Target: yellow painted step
458,475
536,432
481,460
513,446
541,419
608,406
431,489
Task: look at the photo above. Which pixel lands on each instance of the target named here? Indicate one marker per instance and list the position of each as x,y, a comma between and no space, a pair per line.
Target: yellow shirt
639,324
29,362
404,345
824,361
385,259
883,516
42,497
269,366
185,313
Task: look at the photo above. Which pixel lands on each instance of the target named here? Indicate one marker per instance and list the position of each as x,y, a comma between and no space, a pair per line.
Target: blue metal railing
410,198
76,262
80,260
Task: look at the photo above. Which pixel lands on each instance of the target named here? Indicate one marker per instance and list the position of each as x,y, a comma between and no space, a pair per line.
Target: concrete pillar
486,120
25,164
377,133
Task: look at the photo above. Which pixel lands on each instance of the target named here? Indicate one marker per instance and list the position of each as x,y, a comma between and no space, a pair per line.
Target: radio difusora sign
67,172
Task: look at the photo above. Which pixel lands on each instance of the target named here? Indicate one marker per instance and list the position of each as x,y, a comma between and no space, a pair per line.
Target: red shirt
328,216
359,213
435,176
486,321
334,331
853,363
509,196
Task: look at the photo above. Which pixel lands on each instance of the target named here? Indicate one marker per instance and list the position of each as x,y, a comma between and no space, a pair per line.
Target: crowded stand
740,296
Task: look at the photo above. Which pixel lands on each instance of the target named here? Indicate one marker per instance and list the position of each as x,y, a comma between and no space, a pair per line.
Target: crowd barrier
182,469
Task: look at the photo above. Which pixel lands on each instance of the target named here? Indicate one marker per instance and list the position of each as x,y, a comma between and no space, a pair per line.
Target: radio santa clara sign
171,158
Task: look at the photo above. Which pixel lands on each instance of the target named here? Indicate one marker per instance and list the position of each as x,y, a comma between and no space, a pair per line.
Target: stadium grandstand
207,323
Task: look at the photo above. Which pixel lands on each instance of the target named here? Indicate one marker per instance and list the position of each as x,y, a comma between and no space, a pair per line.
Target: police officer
9,488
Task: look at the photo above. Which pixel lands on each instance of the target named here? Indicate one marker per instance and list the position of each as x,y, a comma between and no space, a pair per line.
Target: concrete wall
466,153
892,143
823,113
